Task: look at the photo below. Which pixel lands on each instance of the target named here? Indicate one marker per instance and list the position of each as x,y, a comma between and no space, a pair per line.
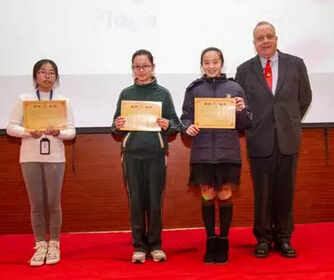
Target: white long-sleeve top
30,147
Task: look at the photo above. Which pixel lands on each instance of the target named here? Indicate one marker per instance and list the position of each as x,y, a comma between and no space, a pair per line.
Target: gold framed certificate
141,115
215,113
39,115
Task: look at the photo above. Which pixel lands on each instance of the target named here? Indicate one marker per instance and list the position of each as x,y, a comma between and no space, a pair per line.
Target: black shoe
286,249
262,250
210,254
222,246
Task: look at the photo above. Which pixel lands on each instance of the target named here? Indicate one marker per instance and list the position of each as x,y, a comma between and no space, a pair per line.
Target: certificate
215,113
39,115
141,115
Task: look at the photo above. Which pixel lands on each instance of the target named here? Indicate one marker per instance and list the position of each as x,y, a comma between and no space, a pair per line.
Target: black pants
145,181
273,180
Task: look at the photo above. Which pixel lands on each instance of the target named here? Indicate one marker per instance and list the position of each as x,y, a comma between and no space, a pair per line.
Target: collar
153,82
220,78
273,59
39,95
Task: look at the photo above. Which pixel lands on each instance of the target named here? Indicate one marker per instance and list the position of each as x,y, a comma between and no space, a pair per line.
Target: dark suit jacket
283,111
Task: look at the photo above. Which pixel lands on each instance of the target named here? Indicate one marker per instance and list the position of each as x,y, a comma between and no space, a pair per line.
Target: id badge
45,146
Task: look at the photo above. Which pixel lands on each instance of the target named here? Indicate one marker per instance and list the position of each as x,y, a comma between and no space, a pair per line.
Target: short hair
263,23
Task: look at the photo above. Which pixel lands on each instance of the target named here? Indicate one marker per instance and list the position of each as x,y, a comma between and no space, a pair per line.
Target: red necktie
268,75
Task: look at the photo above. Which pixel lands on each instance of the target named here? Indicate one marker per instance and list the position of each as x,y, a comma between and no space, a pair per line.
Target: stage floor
108,256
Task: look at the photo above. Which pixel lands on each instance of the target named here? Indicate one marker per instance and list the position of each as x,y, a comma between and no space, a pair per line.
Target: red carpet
108,255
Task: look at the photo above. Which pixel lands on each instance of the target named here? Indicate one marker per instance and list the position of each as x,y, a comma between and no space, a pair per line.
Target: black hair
143,52
38,65
215,50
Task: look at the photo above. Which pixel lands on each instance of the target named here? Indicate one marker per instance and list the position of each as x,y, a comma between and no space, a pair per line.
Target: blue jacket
214,145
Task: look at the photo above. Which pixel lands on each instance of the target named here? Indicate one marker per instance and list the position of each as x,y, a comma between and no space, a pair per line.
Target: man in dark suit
278,93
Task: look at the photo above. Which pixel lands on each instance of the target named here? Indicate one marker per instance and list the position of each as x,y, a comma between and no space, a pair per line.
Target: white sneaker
39,257
138,257
158,255
53,254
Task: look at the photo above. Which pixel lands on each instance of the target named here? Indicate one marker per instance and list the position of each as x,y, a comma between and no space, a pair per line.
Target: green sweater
147,144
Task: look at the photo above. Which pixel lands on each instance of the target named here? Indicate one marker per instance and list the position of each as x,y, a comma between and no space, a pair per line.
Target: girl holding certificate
215,159
144,149
42,158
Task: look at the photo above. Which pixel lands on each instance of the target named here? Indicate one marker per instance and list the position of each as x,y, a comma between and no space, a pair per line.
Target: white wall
92,42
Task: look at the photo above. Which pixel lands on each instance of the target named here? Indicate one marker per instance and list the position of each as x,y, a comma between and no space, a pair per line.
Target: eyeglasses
139,67
44,73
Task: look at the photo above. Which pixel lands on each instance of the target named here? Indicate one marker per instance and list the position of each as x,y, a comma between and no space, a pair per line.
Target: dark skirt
215,175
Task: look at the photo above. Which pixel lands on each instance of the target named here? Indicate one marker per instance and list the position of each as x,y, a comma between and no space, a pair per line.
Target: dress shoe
286,249
262,250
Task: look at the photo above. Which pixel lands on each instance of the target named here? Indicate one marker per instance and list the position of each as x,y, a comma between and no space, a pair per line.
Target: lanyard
39,96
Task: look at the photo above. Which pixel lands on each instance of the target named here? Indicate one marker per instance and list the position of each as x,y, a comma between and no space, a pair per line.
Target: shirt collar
273,59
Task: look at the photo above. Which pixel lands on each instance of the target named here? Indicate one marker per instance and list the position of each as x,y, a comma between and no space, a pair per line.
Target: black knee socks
225,216
208,212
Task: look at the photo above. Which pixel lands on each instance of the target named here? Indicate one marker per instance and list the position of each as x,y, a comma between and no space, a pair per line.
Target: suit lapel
257,69
282,68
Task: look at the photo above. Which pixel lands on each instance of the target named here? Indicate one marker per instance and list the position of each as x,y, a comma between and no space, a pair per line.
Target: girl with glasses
42,158
144,157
